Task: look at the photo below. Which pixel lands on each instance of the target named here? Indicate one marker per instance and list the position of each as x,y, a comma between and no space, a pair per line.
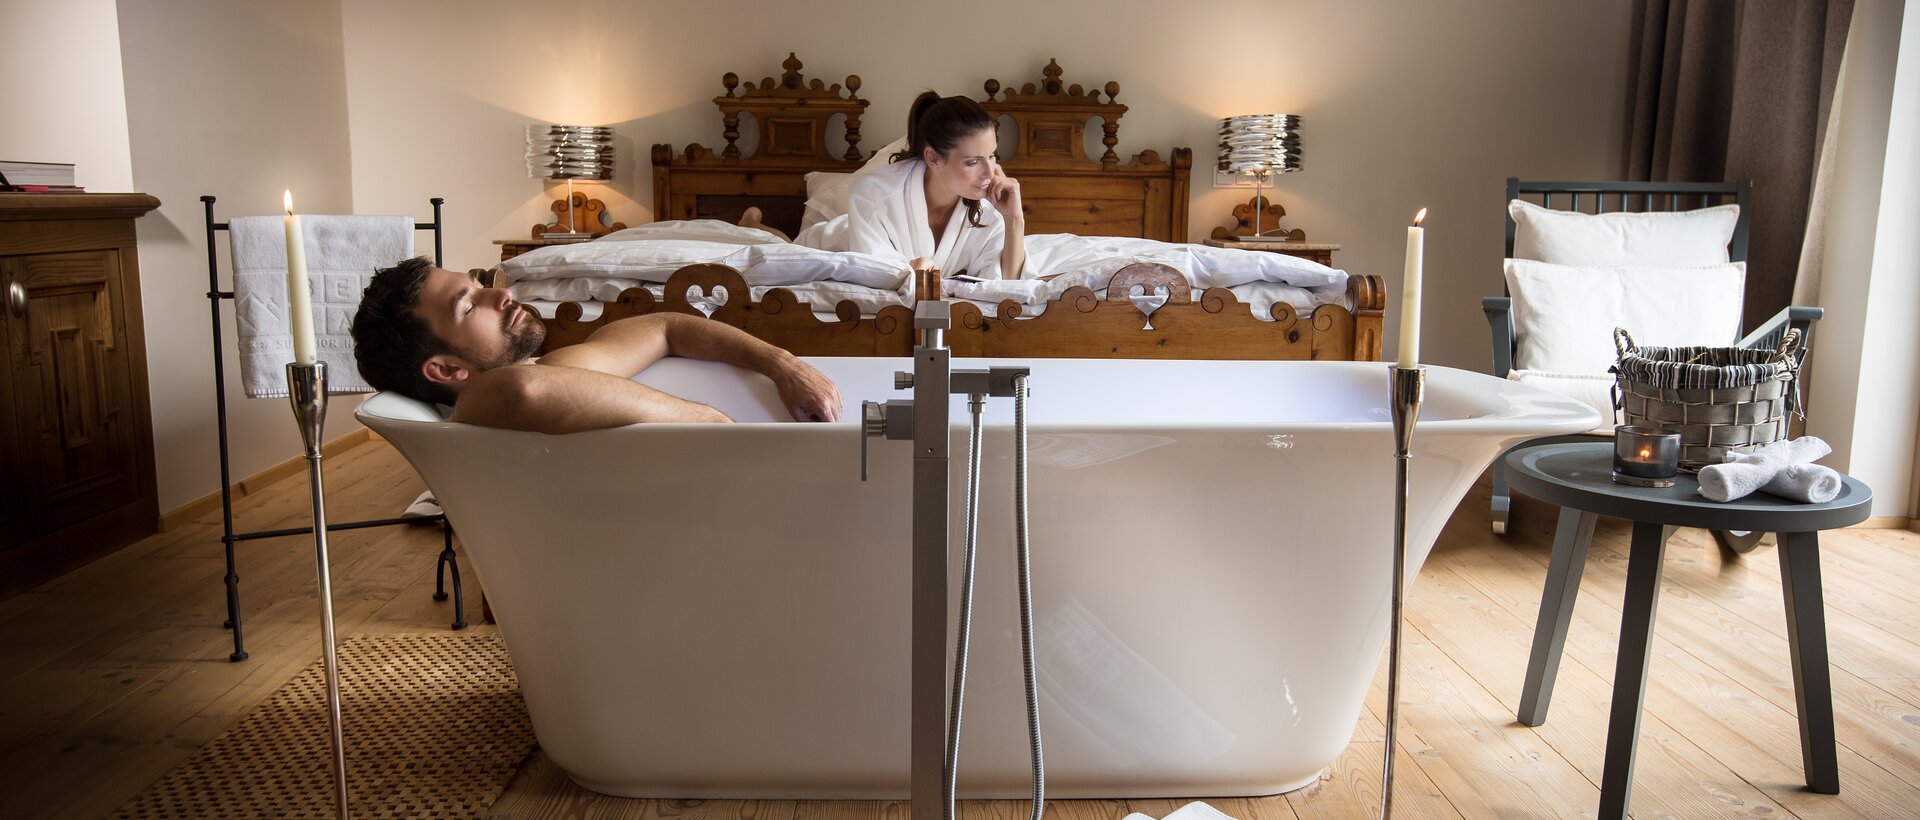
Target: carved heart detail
1148,303
707,301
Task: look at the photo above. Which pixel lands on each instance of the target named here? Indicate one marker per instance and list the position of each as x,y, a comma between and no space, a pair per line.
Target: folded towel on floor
342,254
1806,483
1743,473
1196,810
425,506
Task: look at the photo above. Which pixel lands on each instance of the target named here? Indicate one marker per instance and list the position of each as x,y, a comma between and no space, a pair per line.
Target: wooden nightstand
590,213
1317,251
510,248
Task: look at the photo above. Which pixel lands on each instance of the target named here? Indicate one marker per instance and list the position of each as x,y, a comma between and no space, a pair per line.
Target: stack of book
38,177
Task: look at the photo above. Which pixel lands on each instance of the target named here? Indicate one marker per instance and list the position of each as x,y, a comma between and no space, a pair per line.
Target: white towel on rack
342,254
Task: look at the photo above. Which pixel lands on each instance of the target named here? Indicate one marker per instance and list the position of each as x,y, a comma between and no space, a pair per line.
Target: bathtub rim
1544,413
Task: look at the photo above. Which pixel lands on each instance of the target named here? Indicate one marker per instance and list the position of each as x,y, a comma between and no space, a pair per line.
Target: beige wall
240,100
1404,104
81,118
1866,364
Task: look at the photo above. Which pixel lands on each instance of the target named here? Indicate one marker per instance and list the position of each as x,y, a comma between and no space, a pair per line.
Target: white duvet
599,270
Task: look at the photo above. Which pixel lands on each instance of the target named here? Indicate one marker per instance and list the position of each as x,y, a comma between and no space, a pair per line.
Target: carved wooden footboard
1078,325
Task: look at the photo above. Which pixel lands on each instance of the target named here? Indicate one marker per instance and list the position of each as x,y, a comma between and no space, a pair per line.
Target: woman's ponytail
916,135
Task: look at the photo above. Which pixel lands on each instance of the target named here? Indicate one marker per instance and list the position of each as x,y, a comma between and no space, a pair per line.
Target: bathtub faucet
925,420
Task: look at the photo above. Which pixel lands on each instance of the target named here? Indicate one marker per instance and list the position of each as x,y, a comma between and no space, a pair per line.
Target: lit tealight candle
1645,456
1410,292
299,291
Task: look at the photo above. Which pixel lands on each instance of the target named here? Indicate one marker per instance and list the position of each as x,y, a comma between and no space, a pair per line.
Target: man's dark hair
390,343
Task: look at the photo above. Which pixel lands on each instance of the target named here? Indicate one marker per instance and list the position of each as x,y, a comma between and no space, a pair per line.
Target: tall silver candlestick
307,392
1408,387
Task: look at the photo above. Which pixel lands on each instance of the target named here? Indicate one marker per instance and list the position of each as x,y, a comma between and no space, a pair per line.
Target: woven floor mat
434,727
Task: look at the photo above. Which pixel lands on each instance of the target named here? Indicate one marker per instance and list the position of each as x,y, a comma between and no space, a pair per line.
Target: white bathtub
722,611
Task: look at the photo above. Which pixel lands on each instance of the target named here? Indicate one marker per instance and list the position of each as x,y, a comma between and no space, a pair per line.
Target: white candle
1410,293
299,291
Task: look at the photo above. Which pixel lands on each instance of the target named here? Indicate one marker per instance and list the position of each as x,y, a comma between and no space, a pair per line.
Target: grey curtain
1739,89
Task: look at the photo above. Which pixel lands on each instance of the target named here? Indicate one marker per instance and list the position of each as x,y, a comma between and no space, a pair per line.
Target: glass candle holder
1645,456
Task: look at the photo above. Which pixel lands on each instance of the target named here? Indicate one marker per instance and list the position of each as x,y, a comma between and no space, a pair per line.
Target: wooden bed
1064,191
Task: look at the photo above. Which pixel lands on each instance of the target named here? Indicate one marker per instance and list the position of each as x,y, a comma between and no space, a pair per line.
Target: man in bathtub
439,336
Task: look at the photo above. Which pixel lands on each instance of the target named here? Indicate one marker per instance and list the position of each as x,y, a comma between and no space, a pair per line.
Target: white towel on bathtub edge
342,254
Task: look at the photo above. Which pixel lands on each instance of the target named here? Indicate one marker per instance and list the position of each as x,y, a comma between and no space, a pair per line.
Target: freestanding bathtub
722,611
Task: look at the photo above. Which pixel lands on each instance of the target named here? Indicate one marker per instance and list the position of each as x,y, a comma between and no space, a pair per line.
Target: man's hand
807,394
921,263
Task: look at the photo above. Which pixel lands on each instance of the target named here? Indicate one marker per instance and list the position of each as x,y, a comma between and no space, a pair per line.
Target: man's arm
626,347
569,400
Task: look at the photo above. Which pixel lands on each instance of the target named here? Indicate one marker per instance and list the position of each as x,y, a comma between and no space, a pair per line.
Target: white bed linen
649,254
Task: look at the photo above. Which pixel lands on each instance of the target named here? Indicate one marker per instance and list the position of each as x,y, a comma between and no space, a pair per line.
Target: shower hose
975,404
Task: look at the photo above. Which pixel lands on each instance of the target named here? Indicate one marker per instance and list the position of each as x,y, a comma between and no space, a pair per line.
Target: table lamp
570,152
1256,145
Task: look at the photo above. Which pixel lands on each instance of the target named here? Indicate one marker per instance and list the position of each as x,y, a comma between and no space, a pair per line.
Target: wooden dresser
76,433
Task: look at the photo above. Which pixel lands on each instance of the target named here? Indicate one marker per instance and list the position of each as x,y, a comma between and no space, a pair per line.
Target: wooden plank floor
114,674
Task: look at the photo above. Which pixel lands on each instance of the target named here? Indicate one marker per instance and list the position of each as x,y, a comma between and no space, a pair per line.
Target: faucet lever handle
873,422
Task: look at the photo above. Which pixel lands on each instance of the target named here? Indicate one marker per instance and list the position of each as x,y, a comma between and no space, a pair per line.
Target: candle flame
288,202
1646,452
1416,217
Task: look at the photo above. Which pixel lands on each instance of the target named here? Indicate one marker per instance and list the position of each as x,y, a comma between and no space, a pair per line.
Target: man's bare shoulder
498,395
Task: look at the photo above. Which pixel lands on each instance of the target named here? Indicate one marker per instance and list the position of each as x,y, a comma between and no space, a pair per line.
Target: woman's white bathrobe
887,216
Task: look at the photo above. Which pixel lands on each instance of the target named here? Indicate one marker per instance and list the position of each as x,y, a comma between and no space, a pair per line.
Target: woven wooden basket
1721,399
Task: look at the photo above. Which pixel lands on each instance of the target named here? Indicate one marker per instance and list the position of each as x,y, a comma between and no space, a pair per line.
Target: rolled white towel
1806,483
1734,480
1802,450
1746,472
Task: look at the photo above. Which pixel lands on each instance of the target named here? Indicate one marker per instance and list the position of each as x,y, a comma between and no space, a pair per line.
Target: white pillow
775,265
1564,316
827,190
696,230
651,261
826,197
771,264
823,297
1591,390
1678,239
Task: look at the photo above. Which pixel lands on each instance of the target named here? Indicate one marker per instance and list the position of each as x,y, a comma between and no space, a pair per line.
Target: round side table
1579,478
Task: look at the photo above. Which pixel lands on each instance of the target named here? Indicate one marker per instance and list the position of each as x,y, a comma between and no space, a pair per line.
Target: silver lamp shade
570,152
1260,144
1256,145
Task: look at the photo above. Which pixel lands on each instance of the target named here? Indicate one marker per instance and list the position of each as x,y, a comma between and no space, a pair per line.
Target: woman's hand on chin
1003,193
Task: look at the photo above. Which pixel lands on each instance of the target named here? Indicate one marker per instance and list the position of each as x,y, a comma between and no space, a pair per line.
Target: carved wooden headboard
1065,191
791,115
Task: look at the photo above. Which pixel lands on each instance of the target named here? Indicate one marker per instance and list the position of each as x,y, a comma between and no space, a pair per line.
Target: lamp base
1280,238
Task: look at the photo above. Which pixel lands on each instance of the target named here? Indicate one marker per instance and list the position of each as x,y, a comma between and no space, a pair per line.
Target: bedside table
510,248
1317,251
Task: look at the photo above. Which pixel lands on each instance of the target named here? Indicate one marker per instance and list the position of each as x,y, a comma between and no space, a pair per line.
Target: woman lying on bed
945,168
926,204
